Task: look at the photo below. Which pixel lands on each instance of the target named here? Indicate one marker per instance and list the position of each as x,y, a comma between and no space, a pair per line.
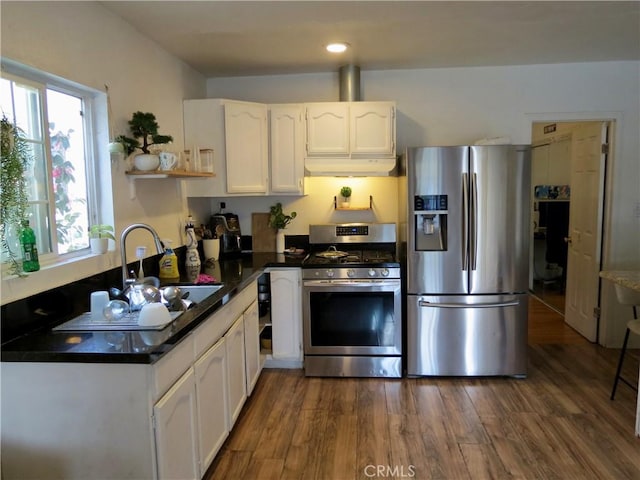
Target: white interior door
585,227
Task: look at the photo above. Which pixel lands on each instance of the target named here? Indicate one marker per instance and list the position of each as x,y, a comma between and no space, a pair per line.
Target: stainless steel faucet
123,247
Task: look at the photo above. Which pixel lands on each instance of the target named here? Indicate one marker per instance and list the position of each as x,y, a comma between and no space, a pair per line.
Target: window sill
56,274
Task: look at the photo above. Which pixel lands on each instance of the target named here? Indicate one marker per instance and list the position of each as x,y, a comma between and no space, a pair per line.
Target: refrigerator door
437,172
499,189
467,335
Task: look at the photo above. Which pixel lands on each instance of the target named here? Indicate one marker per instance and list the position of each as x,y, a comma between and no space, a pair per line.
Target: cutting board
263,237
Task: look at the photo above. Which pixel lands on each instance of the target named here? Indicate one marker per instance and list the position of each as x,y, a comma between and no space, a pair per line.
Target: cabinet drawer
212,330
214,327
243,300
170,367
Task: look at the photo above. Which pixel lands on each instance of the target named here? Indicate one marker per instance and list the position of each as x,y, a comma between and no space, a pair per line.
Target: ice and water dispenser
430,222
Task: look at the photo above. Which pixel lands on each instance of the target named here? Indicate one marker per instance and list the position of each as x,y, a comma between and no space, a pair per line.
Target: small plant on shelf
144,126
345,192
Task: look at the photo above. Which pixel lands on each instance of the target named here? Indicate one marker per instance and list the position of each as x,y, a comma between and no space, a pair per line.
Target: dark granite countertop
45,345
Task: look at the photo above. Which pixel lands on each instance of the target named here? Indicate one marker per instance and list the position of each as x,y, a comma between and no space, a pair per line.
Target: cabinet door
327,129
236,370
287,148
286,313
176,430
246,139
372,128
204,128
211,380
252,345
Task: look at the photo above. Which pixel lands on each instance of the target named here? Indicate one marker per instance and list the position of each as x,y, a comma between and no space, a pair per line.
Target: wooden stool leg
624,348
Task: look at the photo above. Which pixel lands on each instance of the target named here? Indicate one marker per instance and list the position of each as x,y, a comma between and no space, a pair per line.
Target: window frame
90,99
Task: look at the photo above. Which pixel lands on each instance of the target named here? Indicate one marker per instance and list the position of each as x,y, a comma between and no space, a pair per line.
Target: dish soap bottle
30,261
169,262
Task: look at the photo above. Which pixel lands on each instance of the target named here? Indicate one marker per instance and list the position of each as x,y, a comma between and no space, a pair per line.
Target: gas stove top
350,257
353,245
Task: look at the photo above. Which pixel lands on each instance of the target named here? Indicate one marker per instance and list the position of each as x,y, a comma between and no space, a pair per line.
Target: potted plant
144,126
279,221
16,157
99,236
345,192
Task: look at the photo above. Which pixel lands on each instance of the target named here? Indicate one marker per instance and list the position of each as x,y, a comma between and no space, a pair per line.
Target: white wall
85,43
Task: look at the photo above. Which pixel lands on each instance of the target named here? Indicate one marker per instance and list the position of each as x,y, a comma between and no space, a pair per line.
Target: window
55,117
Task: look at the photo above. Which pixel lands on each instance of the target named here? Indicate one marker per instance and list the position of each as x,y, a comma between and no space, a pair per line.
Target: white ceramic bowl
154,315
146,162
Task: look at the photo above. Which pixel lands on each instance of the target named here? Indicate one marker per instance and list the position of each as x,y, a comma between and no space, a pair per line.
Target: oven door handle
351,283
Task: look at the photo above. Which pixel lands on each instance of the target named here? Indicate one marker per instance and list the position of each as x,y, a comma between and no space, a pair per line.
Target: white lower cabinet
162,421
286,317
213,427
176,431
252,345
236,370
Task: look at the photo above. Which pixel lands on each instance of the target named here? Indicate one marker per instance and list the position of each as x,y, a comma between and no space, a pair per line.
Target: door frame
615,121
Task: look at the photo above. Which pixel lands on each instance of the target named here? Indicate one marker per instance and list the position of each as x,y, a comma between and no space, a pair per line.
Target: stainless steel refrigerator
467,249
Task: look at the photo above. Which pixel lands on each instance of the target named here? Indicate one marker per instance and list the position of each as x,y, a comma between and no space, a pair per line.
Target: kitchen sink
87,322
198,293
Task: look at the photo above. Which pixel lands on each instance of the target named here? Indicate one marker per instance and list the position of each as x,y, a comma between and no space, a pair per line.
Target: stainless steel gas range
352,318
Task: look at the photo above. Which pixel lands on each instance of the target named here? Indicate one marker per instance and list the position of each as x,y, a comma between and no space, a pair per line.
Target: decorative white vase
146,162
280,241
99,245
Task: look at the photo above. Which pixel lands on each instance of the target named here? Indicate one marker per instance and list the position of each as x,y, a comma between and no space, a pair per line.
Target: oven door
352,317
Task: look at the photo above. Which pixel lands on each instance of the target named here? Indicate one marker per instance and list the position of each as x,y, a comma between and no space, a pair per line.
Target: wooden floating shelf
369,207
168,174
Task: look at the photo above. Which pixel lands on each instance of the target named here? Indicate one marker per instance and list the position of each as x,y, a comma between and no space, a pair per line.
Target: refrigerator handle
473,223
465,221
423,303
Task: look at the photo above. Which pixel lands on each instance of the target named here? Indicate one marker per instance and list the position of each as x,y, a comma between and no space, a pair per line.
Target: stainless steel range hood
349,76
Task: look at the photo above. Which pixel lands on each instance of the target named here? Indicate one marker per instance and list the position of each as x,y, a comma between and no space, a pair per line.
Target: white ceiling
238,38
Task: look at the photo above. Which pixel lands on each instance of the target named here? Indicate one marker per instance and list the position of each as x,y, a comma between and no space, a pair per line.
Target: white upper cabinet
237,132
246,134
372,128
286,128
351,129
327,129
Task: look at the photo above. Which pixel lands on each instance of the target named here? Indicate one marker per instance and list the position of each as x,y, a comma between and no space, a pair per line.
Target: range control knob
385,272
351,273
371,272
330,273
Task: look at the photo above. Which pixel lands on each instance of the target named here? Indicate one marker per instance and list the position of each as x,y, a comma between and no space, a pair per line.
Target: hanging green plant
16,157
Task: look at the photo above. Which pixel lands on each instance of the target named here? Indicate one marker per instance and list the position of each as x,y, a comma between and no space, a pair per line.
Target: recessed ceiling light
337,47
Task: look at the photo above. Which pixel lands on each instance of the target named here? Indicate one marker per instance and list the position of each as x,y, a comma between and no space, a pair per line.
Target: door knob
567,240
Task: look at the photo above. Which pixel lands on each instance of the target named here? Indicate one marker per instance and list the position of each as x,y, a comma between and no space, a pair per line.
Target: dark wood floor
558,423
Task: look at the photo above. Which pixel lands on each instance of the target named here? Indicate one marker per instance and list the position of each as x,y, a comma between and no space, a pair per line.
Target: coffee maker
227,228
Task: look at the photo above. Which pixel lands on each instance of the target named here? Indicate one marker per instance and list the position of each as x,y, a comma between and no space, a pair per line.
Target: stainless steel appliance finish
352,324
467,260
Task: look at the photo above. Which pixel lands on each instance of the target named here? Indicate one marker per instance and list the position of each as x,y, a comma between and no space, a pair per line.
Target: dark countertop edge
192,320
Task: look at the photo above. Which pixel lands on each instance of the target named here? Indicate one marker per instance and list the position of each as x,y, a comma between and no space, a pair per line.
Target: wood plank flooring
558,423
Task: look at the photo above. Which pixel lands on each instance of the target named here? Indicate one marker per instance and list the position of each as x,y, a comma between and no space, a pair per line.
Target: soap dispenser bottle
193,257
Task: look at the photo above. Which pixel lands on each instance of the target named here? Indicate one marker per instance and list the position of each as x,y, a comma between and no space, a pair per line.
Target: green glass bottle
30,261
